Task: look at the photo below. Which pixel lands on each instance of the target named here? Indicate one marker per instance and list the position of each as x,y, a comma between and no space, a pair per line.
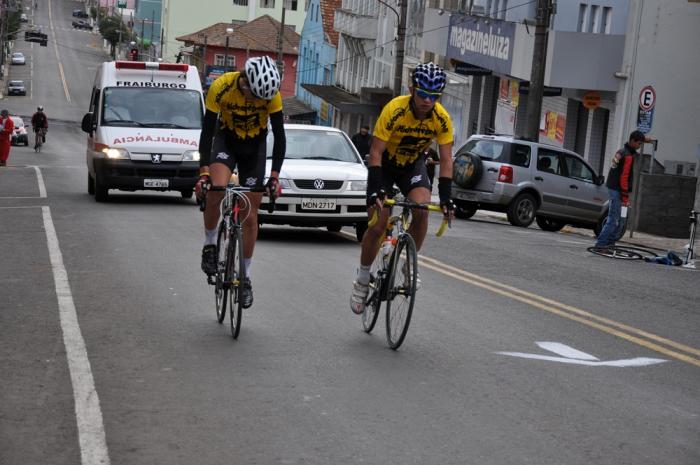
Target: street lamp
229,31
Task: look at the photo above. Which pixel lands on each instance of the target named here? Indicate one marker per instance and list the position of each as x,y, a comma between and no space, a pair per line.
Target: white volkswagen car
323,181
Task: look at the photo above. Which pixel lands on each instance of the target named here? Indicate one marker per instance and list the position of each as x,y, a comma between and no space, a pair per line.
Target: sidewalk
638,239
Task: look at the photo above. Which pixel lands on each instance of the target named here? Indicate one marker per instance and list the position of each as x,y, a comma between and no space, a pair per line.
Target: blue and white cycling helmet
263,77
429,77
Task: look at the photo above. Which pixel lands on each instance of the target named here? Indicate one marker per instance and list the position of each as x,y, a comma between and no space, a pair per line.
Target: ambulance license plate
156,183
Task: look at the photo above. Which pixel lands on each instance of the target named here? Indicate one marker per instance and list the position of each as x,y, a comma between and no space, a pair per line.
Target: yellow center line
58,58
559,309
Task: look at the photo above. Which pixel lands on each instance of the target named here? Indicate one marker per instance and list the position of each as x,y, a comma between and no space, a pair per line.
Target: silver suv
529,181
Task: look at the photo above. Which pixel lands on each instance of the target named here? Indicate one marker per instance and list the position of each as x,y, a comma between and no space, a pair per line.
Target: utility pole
280,47
545,8
400,46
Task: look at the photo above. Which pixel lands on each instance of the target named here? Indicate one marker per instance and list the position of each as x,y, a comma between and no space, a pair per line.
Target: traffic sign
647,98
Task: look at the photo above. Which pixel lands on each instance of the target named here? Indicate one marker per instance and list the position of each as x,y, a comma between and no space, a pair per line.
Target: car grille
165,172
309,184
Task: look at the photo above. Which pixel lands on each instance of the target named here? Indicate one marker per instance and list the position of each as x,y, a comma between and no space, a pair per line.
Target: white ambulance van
143,128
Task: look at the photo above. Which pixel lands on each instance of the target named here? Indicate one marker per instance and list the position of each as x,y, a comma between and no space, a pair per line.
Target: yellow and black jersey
246,119
408,137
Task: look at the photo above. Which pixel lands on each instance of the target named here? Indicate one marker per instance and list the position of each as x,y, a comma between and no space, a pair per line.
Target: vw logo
319,184
156,157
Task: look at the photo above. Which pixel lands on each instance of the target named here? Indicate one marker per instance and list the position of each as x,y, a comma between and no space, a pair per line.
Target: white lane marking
576,357
40,180
58,58
91,433
565,351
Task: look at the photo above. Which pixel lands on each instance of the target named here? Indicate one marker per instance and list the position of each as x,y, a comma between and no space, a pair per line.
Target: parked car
23,18
19,135
529,181
16,87
82,24
80,14
323,181
18,58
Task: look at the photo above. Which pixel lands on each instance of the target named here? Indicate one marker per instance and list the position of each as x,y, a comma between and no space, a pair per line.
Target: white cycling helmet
263,77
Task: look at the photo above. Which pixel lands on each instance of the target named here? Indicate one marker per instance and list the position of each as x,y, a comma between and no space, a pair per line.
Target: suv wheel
548,224
463,211
521,211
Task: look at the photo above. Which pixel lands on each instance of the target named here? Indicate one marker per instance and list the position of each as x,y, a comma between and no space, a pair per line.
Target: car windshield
148,107
16,83
18,121
17,54
308,144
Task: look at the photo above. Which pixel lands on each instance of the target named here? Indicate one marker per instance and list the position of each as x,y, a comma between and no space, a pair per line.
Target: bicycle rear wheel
220,284
237,273
620,253
374,301
401,290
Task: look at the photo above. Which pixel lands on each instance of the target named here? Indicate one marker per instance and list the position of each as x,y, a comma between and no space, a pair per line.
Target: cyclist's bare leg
250,225
419,220
371,239
219,175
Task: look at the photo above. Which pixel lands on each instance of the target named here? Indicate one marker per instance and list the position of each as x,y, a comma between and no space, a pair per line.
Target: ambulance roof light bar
179,67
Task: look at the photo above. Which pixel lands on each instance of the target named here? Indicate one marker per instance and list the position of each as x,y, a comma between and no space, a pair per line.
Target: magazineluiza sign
473,41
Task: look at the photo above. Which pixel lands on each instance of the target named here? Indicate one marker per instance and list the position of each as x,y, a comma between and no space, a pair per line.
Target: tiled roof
328,8
259,35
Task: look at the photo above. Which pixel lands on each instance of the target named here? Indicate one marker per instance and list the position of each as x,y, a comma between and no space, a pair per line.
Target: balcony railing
355,25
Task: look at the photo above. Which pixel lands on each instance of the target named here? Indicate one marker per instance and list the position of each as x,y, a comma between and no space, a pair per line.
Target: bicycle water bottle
387,249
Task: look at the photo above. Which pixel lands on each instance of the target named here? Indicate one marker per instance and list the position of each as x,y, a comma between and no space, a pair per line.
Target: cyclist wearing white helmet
242,103
405,128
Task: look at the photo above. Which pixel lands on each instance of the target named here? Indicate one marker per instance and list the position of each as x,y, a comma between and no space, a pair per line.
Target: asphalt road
116,288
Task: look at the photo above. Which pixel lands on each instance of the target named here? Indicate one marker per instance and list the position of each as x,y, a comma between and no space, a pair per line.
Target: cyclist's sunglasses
433,96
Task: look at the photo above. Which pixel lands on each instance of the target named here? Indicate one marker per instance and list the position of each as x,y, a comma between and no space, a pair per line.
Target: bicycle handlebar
388,203
208,187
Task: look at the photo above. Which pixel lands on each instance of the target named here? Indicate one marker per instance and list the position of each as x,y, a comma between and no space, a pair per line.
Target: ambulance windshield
151,108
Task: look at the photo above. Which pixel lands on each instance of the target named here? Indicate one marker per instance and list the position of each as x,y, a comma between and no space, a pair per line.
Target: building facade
181,17
317,56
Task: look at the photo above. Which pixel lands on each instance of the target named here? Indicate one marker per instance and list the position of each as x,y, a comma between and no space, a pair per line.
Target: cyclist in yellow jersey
405,128
241,103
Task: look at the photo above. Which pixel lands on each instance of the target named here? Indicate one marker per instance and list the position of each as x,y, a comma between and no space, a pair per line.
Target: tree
110,28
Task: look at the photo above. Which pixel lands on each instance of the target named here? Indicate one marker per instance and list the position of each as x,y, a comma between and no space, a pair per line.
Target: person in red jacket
6,129
619,185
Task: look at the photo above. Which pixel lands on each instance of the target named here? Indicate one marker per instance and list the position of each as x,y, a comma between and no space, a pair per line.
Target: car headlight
357,186
190,155
115,153
284,182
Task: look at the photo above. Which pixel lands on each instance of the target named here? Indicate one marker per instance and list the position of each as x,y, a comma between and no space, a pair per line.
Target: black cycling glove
445,192
374,184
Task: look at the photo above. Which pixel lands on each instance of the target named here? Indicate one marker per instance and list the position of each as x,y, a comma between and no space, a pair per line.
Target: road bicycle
230,269
623,252
397,254
39,139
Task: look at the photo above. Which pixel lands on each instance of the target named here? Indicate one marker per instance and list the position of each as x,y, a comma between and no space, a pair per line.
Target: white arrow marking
576,357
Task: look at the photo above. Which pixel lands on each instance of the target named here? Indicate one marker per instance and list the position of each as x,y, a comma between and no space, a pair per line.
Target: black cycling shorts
405,179
247,156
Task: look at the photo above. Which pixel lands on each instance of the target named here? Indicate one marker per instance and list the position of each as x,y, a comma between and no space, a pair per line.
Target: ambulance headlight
190,155
115,153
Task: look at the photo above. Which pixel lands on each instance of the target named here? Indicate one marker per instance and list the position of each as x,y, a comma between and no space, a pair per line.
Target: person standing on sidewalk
619,185
7,127
362,141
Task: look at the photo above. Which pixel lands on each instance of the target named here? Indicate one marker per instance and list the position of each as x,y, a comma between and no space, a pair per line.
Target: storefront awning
296,110
343,100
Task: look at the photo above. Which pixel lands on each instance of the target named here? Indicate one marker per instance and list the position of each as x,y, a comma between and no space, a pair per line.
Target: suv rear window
498,151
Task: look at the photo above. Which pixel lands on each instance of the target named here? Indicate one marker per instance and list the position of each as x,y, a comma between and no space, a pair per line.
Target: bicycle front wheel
237,273
401,290
620,253
220,283
374,301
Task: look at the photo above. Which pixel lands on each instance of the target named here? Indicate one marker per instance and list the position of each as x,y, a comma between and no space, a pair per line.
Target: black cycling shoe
246,294
209,259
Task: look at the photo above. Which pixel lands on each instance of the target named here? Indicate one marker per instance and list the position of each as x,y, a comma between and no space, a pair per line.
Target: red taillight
179,67
505,174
